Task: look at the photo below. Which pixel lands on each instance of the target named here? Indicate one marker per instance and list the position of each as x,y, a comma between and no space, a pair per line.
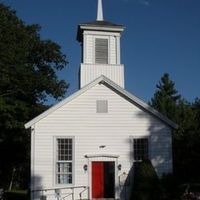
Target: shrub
146,182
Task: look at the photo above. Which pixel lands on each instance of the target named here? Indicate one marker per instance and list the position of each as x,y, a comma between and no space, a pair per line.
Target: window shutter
101,51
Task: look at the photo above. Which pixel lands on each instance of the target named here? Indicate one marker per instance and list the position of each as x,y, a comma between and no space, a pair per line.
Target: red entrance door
97,180
103,179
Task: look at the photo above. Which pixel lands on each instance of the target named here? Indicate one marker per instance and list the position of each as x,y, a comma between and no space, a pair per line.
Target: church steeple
100,11
100,41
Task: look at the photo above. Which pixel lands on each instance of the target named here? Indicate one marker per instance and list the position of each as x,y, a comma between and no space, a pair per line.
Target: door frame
102,158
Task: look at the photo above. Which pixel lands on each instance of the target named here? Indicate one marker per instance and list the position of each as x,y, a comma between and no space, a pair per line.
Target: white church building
86,146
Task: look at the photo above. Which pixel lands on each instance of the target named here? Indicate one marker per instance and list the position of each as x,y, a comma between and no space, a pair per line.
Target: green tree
196,107
186,139
165,97
28,67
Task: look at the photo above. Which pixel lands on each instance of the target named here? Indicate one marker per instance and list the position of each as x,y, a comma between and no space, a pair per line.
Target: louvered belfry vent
101,51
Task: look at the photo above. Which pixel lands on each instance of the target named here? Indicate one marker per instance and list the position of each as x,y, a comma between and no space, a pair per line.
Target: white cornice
101,155
100,28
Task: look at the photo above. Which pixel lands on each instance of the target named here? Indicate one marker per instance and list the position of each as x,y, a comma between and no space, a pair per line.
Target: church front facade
86,146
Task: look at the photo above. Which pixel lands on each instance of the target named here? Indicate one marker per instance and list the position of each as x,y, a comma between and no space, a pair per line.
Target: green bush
146,183
16,195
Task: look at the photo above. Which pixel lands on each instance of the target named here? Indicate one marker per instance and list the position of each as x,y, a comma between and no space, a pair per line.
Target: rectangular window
101,51
140,149
102,106
64,160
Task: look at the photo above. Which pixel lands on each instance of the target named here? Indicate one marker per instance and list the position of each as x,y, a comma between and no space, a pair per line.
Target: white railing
64,193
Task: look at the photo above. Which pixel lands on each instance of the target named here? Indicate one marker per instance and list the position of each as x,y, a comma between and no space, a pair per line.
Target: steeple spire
100,45
100,11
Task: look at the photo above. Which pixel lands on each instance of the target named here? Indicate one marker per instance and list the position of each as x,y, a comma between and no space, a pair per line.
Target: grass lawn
16,195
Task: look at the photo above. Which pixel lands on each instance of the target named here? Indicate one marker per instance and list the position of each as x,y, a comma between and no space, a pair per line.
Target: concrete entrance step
103,199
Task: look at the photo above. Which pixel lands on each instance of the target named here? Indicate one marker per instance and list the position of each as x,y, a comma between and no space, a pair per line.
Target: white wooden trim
101,33
92,159
84,48
32,159
55,160
118,50
115,29
140,137
109,49
101,155
93,51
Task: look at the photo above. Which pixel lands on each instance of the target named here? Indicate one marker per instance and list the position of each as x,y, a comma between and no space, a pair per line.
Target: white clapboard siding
90,72
115,130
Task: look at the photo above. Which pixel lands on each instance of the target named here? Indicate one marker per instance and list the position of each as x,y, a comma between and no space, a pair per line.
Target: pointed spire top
100,11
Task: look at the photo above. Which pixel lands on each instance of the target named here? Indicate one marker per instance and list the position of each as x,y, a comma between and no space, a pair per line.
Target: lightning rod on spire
100,11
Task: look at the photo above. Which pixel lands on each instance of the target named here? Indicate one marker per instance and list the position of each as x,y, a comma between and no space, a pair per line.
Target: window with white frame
101,51
140,149
64,160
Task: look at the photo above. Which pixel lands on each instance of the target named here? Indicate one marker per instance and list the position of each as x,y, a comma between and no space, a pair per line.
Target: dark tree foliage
165,97
186,139
196,108
186,142
28,67
183,142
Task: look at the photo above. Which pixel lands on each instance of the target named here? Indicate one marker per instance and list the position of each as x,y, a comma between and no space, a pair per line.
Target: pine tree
166,97
186,139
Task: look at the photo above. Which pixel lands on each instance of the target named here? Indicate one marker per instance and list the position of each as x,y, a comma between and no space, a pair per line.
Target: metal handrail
85,189
59,188
67,196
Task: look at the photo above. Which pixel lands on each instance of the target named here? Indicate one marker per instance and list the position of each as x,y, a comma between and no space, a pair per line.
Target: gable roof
107,82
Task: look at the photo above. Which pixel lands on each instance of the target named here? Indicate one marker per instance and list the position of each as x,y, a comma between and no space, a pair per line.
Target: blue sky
161,36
